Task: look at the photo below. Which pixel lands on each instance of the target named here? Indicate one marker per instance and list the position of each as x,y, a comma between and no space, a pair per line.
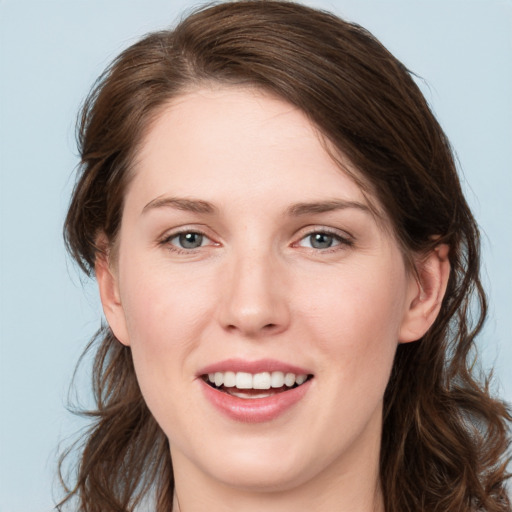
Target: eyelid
166,238
345,238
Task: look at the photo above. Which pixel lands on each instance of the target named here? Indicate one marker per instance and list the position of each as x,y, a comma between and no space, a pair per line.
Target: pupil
191,240
321,241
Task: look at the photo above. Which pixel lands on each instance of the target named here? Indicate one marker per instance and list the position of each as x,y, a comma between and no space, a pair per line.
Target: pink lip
254,410
262,365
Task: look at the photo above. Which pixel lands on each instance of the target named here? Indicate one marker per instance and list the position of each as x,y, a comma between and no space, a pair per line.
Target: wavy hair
445,438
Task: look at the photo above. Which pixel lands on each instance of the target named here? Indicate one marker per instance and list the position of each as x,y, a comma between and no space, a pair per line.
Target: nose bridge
255,298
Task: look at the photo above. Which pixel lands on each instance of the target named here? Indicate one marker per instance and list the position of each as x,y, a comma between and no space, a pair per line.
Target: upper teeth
264,380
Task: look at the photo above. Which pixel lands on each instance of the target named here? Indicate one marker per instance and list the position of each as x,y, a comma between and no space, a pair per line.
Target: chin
261,463
261,475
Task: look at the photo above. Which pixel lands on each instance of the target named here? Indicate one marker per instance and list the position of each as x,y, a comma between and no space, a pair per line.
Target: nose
254,300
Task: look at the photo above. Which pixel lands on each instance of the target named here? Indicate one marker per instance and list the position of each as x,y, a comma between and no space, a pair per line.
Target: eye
187,240
322,240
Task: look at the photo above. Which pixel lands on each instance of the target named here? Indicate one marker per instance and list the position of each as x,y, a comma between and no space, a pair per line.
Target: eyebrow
295,210
187,205
300,209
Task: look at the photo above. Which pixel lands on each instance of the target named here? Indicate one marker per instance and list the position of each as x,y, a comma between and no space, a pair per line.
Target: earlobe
110,298
426,295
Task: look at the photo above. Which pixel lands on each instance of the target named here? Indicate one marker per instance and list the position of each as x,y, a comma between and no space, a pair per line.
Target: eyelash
166,241
342,241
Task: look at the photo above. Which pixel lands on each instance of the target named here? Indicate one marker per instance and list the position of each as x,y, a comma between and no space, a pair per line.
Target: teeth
264,380
243,380
230,379
247,396
261,381
300,379
289,379
277,379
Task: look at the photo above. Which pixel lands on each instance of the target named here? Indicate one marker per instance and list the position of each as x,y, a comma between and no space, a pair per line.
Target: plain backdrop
50,54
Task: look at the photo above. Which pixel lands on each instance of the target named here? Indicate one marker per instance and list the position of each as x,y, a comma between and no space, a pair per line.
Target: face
261,298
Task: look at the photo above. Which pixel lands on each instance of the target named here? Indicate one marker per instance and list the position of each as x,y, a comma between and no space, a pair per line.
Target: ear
110,296
426,293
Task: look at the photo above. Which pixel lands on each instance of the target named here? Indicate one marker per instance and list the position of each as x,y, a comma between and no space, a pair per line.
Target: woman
287,266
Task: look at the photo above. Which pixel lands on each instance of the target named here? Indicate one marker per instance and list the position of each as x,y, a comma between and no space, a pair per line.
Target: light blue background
51,52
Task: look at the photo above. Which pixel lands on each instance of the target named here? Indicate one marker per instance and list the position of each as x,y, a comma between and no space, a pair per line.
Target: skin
257,287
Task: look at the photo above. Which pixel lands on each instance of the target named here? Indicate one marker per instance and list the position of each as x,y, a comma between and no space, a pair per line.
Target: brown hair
445,439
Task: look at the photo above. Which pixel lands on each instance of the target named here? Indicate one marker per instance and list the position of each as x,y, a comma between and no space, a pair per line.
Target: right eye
320,240
188,240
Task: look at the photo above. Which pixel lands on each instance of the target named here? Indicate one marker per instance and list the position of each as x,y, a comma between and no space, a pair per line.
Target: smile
254,392
251,386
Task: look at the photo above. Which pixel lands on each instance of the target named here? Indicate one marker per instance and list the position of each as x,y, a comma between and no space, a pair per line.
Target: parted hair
445,438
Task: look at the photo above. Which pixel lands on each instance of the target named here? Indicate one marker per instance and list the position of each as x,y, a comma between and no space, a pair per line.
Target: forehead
239,144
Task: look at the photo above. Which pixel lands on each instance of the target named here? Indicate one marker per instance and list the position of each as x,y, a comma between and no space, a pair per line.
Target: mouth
247,385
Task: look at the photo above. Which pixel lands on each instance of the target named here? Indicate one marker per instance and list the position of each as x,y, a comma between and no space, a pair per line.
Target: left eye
320,240
188,240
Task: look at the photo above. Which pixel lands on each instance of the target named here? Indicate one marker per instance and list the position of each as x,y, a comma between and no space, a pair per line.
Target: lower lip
254,410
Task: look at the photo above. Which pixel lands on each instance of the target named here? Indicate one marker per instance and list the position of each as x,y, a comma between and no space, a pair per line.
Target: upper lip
259,366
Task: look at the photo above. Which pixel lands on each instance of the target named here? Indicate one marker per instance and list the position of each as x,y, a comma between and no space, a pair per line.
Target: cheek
162,303
165,316
356,322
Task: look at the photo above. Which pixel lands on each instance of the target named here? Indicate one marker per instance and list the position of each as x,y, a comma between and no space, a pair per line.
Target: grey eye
321,240
189,240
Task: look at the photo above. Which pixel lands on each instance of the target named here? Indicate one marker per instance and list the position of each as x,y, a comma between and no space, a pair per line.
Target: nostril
267,327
